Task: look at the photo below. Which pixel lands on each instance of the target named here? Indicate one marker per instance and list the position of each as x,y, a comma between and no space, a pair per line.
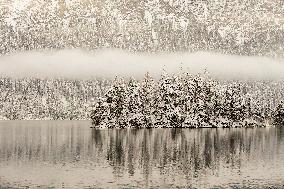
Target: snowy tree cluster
48,99
246,27
187,100
182,100
279,114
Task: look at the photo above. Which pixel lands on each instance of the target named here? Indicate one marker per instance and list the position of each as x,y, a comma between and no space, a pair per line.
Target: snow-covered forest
173,100
244,27
48,99
189,101
152,27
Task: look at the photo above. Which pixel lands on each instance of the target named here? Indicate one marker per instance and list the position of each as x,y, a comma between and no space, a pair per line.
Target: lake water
68,154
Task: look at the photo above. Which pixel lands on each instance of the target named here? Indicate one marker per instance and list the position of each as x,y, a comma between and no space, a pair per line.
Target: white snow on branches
187,100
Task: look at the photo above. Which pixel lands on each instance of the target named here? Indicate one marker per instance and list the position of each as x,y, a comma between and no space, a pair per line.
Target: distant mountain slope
254,27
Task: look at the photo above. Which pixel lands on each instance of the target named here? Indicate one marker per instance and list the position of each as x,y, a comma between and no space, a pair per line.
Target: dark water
47,154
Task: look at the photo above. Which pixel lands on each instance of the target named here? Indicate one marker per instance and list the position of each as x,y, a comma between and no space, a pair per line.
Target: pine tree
162,105
116,98
98,114
279,114
134,115
148,94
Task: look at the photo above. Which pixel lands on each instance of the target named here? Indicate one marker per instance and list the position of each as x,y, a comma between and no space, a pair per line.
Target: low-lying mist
110,63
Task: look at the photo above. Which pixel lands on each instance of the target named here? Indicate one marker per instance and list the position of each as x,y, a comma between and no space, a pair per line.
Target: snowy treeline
51,99
178,100
247,27
189,101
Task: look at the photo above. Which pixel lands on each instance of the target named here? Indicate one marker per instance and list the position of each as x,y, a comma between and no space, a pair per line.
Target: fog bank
109,63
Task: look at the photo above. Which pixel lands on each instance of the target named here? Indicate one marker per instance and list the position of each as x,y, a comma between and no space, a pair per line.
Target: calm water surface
68,154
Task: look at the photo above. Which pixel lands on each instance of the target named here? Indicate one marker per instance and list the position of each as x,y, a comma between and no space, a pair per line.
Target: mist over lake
110,63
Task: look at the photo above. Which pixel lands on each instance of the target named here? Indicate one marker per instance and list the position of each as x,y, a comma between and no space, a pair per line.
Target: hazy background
243,27
109,63
144,35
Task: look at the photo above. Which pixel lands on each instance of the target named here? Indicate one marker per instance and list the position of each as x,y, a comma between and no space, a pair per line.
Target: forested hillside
48,99
244,27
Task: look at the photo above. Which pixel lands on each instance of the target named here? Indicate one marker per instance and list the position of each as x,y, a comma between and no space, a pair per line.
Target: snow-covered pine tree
116,99
162,104
134,104
210,101
176,114
148,94
279,114
189,98
199,101
99,113
111,110
237,114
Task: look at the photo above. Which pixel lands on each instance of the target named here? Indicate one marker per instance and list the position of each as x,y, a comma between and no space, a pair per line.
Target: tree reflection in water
173,155
187,151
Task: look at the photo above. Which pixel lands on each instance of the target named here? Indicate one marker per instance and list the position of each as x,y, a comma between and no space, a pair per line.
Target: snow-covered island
189,101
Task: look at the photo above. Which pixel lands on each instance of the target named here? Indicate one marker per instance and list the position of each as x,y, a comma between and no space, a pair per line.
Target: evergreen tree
279,114
148,94
134,103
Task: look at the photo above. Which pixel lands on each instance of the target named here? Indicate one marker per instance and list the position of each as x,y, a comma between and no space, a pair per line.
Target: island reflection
187,154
